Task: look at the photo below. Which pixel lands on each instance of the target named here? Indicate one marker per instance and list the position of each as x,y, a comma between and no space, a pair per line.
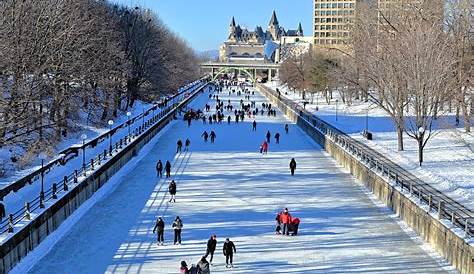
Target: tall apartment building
331,21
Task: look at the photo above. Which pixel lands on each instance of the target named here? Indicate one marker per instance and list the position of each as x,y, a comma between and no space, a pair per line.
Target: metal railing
71,180
437,202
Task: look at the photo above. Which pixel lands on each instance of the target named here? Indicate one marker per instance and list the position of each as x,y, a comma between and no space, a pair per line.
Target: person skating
160,228
285,219
254,125
292,166
278,224
277,138
228,119
177,226
211,247
179,145
229,250
205,135
286,128
203,266
269,135
264,147
186,144
184,266
159,169
213,136
172,191
168,169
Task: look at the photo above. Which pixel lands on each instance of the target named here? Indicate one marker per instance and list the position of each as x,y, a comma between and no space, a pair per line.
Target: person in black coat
179,145
172,190
292,166
160,227
2,211
277,138
159,168
254,125
168,169
213,136
211,247
268,136
177,226
229,250
186,144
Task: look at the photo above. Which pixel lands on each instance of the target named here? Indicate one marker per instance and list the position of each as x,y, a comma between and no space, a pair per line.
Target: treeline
63,61
413,59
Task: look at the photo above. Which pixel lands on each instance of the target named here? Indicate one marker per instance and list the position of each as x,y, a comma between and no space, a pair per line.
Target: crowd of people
246,109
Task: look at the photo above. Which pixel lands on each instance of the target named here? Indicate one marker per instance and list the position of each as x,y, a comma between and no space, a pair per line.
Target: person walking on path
254,125
213,136
292,166
277,138
159,169
286,128
203,266
186,144
211,247
160,228
229,250
179,145
172,190
177,226
269,135
285,219
168,169
205,135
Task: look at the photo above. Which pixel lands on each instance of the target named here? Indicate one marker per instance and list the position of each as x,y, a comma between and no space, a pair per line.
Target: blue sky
204,23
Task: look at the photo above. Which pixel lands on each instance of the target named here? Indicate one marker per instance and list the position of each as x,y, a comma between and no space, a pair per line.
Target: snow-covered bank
228,188
448,158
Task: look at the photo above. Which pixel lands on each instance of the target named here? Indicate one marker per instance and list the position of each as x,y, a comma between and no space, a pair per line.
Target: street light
111,123
367,120
337,105
128,116
43,157
84,137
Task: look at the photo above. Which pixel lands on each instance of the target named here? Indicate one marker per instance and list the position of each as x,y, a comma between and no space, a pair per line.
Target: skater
213,136
205,136
177,226
179,145
268,136
264,147
203,266
228,119
278,224
172,190
159,169
186,144
285,219
168,169
292,166
2,211
254,125
286,128
229,250
211,247
184,266
160,227
277,138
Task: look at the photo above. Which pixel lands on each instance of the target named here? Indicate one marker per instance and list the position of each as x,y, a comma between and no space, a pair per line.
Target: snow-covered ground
448,158
15,201
229,189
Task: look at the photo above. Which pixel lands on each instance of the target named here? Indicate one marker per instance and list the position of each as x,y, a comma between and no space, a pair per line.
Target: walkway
228,188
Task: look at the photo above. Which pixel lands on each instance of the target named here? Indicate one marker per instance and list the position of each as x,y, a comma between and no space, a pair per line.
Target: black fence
68,182
436,201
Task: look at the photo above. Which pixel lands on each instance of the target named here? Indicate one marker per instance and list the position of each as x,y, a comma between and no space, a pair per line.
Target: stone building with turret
257,45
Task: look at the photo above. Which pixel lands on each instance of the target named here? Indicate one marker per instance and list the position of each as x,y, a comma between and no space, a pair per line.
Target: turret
274,27
299,32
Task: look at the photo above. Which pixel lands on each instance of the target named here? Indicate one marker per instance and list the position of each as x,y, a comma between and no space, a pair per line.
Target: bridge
250,69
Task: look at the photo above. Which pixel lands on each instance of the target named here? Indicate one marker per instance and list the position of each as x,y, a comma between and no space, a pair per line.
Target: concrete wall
453,247
31,235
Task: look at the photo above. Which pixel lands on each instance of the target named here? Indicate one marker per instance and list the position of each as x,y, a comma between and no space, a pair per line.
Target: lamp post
367,120
421,131
111,123
337,105
84,137
42,156
128,116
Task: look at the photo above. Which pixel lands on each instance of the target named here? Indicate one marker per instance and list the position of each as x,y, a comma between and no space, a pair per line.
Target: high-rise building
331,21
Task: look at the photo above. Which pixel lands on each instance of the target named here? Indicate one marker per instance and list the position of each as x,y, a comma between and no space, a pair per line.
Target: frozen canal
230,189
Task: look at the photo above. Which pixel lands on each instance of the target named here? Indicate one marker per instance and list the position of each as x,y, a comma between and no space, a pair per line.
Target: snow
15,201
228,188
448,158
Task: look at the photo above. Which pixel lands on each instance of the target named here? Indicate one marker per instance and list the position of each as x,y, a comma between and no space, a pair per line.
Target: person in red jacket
285,219
295,223
265,147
